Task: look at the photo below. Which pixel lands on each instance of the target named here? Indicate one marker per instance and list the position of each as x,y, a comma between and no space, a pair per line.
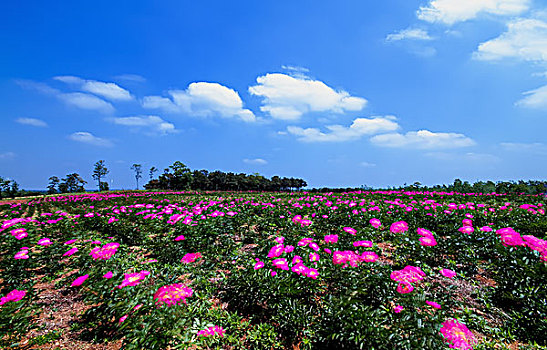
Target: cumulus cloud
525,39
340,133
150,123
109,91
202,99
409,34
453,11
422,139
536,98
90,139
288,97
32,122
255,161
75,99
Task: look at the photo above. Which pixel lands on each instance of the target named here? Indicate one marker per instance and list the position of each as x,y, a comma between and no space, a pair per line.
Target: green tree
152,171
137,168
99,172
72,183
53,185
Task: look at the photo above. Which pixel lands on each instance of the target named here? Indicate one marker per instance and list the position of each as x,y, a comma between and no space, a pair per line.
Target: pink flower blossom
190,257
466,229
70,241
448,273
376,223
331,238
350,230
404,288
366,244
281,263
212,331
398,227
314,257
276,251
428,241
105,252
70,251
22,254
14,295
397,308
457,335
369,256
123,318
258,265
180,238
78,281
433,304
108,275
19,233
172,294
132,279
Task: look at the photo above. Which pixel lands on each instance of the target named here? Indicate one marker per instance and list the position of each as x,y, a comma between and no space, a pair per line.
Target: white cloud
288,98
339,133
409,34
109,91
131,77
88,138
7,155
151,123
535,147
422,139
452,11
255,161
32,121
367,164
86,101
535,98
525,39
202,99
76,99
466,157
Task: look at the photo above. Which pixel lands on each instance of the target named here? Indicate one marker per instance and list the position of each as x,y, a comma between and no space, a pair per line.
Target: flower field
358,270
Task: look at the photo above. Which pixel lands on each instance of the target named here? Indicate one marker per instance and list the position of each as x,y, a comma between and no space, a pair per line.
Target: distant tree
99,172
152,171
53,185
104,187
137,168
72,183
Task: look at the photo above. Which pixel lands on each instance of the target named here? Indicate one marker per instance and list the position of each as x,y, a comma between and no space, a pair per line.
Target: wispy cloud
367,164
452,11
75,99
255,161
202,99
536,98
110,91
90,139
534,147
287,97
7,155
409,34
131,78
32,122
340,133
422,139
150,124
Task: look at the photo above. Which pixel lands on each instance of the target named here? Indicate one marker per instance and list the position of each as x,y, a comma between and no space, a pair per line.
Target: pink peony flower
448,273
281,263
70,251
108,275
172,294
212,331
428,241
404,288
457,335
258,265
70,241
14,295
366,244
433,304
398,227
276,251
19,233
22,254
132,279
350,230
190,257
376,223
105,252
331,238
369,256
397,308
180,238
78,281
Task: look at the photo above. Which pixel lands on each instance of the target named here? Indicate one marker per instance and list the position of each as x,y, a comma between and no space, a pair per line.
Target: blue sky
340,93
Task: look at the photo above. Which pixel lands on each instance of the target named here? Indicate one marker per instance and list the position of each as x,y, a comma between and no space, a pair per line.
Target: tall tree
72,183
99,172
137,168
53,184
152,171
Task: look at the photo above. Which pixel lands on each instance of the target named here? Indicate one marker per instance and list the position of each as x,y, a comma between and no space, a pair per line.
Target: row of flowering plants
369,270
